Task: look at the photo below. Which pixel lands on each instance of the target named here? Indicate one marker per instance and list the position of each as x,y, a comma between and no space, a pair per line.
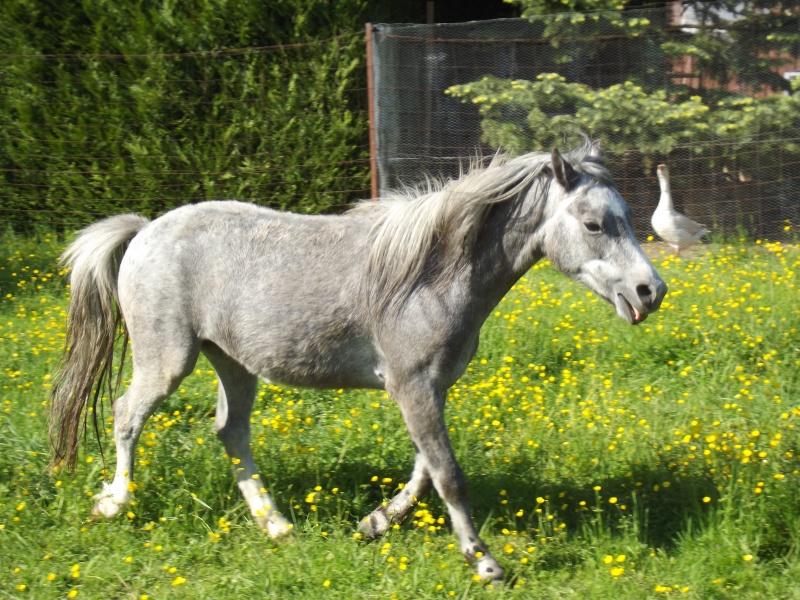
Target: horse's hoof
276,527
279,530
374,525
489,569
106,507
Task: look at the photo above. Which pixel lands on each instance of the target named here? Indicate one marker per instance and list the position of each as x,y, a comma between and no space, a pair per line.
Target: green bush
112,107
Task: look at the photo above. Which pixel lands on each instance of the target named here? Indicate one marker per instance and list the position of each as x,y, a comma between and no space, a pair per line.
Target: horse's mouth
628,311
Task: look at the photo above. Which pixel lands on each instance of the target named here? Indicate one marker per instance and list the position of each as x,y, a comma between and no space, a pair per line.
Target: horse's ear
563,171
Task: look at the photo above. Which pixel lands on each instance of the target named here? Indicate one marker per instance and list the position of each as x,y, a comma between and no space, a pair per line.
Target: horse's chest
462,355
442,359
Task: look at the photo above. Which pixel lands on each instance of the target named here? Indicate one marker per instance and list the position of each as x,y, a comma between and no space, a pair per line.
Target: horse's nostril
644,292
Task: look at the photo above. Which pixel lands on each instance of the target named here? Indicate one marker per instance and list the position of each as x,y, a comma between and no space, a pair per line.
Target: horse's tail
93,323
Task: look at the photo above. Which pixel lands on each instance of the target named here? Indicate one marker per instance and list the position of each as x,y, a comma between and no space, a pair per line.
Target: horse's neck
506,249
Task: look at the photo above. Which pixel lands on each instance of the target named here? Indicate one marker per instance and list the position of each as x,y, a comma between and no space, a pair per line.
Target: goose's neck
666,194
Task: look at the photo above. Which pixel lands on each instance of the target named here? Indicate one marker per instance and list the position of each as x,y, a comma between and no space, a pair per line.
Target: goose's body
678,230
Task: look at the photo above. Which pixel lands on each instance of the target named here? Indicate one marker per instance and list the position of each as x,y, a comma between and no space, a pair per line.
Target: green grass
603,460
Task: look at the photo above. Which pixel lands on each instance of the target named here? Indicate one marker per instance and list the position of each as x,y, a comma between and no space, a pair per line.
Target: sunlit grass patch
672,444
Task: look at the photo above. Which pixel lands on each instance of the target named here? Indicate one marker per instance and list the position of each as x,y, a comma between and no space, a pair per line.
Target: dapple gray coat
391,295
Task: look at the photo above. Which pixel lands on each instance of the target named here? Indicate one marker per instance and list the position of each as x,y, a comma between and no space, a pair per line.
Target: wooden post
373,158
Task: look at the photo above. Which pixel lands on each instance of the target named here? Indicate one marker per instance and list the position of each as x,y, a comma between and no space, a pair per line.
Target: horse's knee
145,393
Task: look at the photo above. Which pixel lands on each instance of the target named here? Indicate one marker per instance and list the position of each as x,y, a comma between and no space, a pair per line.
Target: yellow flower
326,583
617,571
178,581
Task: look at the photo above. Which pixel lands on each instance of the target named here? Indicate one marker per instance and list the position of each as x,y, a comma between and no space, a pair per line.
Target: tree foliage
523,115
531,8
641,109
727,39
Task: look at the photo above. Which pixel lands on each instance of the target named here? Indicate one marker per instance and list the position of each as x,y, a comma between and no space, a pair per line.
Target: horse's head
588,236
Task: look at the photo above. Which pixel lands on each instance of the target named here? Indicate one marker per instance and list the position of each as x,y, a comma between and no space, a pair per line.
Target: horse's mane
433,228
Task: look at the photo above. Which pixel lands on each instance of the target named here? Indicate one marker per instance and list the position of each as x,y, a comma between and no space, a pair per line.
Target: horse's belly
313,362
315,375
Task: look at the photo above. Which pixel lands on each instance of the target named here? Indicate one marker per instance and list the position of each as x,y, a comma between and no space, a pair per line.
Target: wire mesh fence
87,135
632,80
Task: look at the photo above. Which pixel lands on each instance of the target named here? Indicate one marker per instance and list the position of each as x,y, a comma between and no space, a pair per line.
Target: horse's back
274,290
221,245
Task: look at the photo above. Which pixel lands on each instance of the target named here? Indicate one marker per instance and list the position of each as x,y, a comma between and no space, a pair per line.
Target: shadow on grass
658,515
653,504
649,502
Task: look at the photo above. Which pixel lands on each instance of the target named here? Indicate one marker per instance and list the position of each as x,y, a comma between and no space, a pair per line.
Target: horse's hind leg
156,374
398,508
237,390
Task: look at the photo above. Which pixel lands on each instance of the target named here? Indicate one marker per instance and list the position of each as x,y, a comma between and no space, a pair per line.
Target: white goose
678,230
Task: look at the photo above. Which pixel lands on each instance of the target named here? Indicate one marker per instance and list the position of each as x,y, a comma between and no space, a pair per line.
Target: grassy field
603,460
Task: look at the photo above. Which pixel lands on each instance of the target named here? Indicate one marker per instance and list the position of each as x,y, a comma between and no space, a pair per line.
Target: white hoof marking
106,505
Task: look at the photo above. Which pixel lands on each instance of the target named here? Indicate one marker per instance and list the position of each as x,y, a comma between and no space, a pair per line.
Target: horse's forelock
589,159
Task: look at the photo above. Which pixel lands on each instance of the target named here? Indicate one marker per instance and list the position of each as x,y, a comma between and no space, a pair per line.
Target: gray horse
390,295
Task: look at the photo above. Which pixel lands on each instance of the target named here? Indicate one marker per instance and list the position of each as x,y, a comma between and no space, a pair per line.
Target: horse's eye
593,227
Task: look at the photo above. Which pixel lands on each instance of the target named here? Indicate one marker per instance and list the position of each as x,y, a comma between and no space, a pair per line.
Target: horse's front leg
423,411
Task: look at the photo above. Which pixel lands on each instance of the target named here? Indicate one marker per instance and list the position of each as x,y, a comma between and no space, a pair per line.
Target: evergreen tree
143,106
